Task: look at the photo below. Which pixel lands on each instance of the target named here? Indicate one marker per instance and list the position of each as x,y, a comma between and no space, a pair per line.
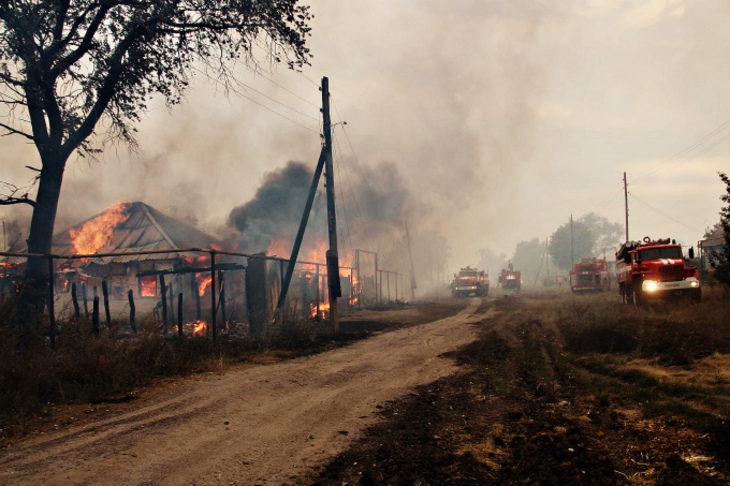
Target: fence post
163,297
196,295
171,297
396,286
95,316
180,314
105,293
75,300
132,324
212,294
222,297
86,301
318,296
359,284
51,302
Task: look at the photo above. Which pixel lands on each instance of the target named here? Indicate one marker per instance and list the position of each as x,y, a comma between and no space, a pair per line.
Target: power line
352,150
256,102
344,206
664,214
276,101
667,165
284,88
610,199
307,78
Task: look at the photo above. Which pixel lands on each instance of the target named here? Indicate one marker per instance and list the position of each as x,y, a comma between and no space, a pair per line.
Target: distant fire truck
590,275
510,279
470,281
654,269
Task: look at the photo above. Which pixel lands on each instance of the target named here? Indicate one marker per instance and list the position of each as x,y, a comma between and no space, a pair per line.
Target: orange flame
148,286
193,260
318,254
324,308
98,232
279,248
204,284
196,329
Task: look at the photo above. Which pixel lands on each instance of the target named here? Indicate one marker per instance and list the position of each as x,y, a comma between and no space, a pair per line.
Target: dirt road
562,390
259,425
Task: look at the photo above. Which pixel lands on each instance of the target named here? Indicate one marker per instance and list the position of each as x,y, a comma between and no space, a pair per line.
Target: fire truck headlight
695,284
650,285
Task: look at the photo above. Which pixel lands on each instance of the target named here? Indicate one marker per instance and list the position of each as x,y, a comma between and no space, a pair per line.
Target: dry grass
84,367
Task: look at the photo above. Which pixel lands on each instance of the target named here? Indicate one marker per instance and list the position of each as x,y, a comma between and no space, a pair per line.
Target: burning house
129,227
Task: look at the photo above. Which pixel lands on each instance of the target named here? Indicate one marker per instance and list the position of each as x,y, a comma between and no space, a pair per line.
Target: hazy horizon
501,119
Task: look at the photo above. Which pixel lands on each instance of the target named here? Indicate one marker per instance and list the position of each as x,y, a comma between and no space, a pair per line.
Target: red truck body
470,281
510,279
655,269
590,275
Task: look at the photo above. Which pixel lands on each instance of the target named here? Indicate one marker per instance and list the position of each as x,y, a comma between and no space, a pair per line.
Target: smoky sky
371,209
275,209
488,122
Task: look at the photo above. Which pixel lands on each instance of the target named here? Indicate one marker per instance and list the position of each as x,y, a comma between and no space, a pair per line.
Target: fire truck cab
470,281
510,279
651,269
590,275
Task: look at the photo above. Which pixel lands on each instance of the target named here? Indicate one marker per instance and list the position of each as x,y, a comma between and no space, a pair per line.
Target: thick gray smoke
275,210
372,209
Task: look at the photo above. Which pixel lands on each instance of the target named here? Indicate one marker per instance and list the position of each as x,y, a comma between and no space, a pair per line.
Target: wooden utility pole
626,205
410,259
333,265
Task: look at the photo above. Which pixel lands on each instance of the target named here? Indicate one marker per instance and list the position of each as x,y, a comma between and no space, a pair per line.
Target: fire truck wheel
637,297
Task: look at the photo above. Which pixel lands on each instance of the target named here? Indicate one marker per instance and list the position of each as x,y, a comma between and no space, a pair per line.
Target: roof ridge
157,225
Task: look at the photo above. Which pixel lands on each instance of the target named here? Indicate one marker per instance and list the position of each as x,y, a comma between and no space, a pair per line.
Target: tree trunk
40,238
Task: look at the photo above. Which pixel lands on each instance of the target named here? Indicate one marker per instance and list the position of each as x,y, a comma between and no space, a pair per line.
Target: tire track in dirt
254,426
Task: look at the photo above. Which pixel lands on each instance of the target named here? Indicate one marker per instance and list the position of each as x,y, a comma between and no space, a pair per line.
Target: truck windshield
653,253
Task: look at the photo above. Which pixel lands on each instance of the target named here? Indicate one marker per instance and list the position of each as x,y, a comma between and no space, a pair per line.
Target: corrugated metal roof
145,229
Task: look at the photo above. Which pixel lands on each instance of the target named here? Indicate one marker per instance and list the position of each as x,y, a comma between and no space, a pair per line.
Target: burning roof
127,227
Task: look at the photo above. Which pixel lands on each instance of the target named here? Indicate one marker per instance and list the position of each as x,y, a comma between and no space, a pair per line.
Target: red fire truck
470,281
654,269
510,279
590,275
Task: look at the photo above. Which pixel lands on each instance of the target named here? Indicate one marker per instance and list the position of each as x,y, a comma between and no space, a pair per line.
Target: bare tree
67,65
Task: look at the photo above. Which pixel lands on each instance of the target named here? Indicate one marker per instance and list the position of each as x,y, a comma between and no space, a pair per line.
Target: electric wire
308,79
237,92
664,214
608,201
352,150
239,83
349,182
666,166
284,88
359,167
343,206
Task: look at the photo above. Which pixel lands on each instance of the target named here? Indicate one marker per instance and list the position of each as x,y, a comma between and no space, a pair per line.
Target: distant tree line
592,235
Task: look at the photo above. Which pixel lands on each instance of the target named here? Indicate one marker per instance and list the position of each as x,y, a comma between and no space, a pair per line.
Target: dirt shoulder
258,425
526,407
